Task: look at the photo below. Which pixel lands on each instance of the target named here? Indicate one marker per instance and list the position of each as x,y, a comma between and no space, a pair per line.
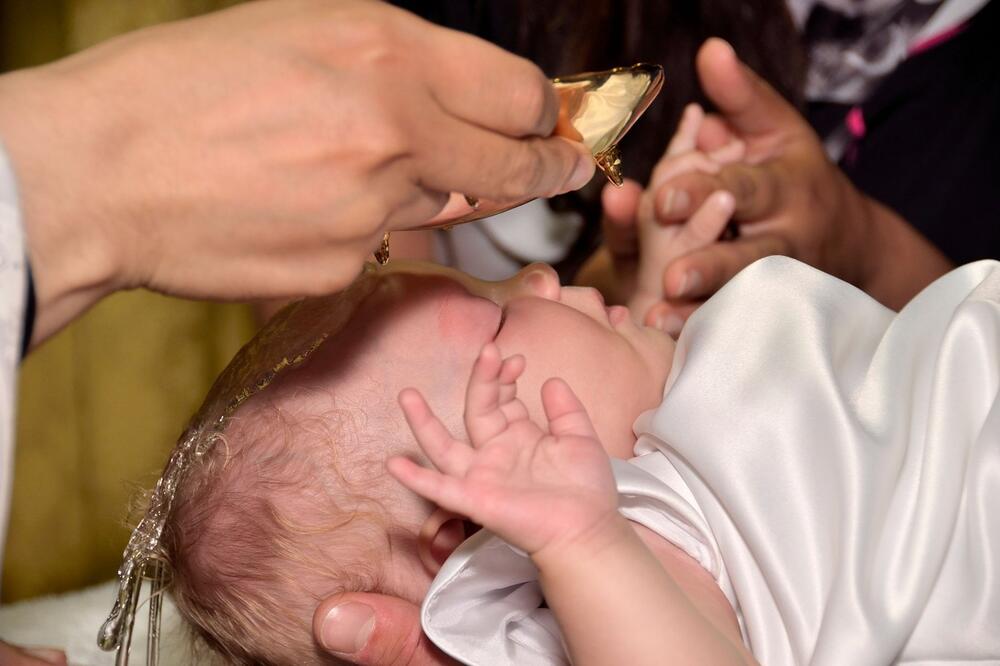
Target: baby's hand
659,245
537,490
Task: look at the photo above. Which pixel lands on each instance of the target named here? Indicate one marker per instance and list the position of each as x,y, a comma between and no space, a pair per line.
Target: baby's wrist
605,532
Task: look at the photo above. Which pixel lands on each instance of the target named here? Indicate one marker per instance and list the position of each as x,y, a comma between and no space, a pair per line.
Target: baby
318,440
297,501
811,482
829,472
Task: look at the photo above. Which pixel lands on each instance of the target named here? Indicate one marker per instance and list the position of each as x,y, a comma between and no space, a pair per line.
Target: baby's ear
441,533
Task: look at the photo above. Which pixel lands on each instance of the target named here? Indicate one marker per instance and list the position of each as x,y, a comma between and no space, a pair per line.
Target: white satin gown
834,465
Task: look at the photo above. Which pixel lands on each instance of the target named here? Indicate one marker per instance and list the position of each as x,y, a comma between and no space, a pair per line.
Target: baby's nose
539,280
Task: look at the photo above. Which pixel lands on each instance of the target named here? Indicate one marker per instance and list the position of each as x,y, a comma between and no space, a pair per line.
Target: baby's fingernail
725,201
347,627
676,202
536,282
689,284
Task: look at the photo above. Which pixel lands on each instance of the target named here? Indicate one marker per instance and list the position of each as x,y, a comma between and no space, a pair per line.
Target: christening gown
834,465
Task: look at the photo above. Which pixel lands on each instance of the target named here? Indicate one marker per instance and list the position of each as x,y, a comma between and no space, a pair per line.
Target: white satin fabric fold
834,465
484,605
848,462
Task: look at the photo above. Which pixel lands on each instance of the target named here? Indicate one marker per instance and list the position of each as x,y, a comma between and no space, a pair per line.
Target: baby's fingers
707,224
565,412
445,491
448,454
668,169
509,372
483,393
734,151
686,136
491,399
714,133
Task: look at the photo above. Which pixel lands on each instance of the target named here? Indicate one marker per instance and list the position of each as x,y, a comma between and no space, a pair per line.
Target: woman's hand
638,248
660,244
789,199
262,151
538,490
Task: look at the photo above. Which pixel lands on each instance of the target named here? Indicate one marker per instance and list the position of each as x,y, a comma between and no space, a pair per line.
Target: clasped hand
782,191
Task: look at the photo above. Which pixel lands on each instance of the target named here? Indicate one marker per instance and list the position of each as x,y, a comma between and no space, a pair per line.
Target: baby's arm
659,244
553,495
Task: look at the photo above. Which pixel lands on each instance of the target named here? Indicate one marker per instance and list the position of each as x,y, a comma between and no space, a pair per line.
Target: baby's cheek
459,320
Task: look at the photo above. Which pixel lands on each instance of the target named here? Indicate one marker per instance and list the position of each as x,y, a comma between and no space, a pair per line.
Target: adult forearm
69,247
616,604
898,260
264,150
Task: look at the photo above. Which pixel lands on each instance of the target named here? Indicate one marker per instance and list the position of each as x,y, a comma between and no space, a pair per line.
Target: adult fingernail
676,202
582,173
672,325
689,284
728,46
347,627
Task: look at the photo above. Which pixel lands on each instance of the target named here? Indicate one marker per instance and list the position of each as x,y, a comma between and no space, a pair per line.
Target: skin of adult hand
262,151
374,630
790,199
15,656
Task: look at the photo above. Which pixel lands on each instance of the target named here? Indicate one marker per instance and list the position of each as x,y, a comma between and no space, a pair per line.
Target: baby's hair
270,524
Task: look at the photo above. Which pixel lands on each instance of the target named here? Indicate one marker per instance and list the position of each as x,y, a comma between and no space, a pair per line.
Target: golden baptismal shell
596,108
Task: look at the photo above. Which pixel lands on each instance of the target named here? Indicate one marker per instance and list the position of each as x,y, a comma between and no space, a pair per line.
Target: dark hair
568,36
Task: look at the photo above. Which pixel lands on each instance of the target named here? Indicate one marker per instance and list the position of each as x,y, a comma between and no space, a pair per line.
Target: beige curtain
101,403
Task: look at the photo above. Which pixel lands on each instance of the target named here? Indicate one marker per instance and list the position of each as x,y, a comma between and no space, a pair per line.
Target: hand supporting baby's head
293,503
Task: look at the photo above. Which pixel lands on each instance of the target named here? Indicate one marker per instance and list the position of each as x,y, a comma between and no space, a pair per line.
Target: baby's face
424,325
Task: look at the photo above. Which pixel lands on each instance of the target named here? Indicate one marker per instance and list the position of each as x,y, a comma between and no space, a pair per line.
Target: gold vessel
595,108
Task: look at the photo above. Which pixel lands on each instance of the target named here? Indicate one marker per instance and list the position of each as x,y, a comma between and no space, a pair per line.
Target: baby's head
293,504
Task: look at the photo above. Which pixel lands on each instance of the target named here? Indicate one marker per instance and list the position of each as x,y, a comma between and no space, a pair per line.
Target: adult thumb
748,104
372,629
